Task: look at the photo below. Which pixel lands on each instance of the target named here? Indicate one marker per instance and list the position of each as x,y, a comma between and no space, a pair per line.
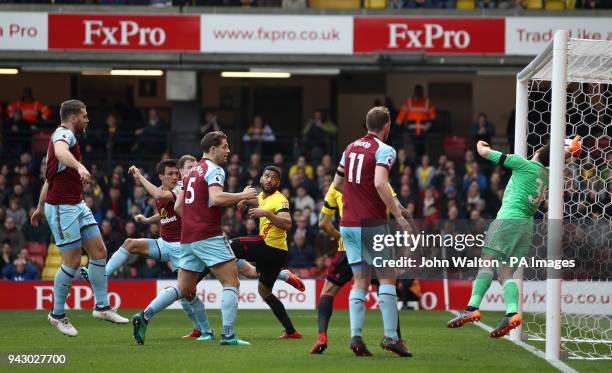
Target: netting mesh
586,326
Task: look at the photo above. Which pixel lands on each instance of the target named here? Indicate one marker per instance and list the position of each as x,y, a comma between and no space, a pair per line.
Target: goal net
564,92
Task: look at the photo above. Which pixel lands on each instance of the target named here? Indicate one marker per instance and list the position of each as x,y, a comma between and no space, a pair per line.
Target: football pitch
104,347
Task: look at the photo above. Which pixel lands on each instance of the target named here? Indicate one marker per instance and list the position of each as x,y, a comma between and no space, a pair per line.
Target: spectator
153,231
301,165
210,124
302,227
257,134
32,110
150,269
424,173
482,129
26,200
97,213
303,200
417,114
486,4
20,271
5,190
111,237
301,253
40,233
318,135
406,196
445,4
12,234
473,174
139,199
6,255
115,202
151,139
16,212
17,132
250,228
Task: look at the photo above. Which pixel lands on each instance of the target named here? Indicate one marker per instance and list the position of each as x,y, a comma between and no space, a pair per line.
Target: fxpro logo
431,35
77,296
125,33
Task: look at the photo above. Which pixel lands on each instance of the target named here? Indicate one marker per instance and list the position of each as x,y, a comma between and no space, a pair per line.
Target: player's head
214,145
185,163
74,113
270,179
168,173
378,121
542,155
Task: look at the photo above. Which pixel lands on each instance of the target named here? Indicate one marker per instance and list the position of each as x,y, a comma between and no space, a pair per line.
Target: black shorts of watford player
269,249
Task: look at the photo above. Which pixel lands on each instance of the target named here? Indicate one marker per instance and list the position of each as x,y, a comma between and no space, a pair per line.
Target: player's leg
324,314
520,243
141,246
495,247
351,237
387,303
188,276
357,309
71,257
164,251
511,298
227,274
63,222
268,271
94,246
338,275
220,258
240,247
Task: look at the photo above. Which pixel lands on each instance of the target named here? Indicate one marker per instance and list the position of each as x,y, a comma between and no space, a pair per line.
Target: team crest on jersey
67,235
163,212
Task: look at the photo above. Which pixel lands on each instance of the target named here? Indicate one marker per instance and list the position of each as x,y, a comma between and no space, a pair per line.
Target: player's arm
242,205
178,204
62,153
150,220
153,191
281,219
512,161
325,223
220,198
381,183
339,177
35,219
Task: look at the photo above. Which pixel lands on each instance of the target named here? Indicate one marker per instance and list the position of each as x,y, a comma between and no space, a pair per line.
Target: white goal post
546,110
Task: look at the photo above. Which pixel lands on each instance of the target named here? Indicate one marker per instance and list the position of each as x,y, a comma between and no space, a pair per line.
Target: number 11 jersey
360,199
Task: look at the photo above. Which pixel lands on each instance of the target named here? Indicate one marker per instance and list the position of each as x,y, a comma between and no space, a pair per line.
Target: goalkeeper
510,234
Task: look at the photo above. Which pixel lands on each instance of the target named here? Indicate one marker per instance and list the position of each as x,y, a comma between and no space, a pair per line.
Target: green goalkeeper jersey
525,190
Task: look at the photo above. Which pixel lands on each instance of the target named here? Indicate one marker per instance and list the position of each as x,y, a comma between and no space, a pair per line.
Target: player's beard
79,127
269,190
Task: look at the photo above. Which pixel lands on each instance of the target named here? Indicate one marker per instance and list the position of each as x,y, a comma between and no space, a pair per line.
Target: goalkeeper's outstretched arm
512,161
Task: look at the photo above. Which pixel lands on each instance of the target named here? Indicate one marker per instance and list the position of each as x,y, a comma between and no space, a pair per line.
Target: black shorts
339,272
269,261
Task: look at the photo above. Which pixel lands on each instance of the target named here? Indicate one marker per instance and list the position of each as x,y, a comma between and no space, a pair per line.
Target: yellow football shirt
273,236
333,203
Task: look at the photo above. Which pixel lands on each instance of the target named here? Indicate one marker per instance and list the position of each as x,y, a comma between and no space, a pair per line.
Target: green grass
103,347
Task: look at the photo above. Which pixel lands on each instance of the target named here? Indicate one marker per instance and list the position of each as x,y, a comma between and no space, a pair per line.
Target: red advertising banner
38,295
429,35
432,295
124,32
